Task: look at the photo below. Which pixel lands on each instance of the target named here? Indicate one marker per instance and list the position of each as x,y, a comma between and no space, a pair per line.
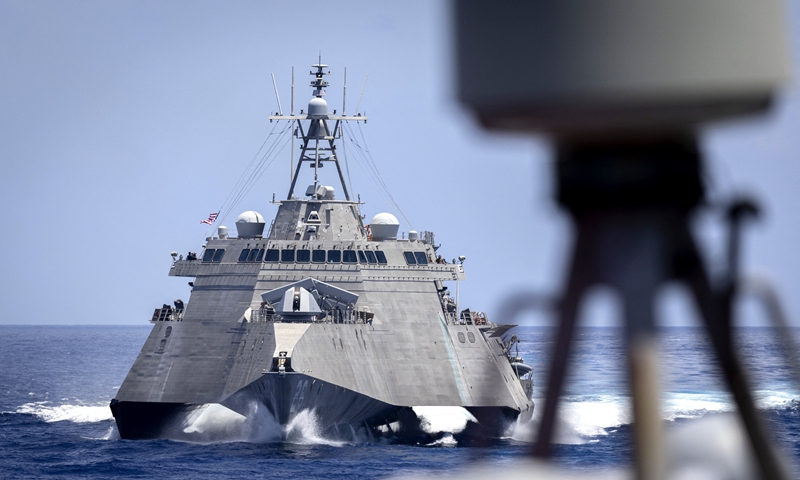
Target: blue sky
124,124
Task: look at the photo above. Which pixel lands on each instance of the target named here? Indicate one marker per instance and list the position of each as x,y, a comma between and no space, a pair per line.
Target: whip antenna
291,150
280,110
362,93
344,95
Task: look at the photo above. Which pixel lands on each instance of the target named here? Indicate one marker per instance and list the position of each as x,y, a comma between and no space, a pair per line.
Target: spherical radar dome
250,224
317,106
384,226
384,218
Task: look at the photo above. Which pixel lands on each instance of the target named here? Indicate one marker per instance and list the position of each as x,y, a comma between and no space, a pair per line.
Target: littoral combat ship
323,314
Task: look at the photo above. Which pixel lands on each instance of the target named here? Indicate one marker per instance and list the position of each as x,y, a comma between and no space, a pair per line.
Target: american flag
210,219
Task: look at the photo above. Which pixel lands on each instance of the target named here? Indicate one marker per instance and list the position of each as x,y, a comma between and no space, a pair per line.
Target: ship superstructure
321,313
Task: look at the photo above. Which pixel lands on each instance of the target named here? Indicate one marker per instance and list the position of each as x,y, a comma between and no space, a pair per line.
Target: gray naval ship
325,314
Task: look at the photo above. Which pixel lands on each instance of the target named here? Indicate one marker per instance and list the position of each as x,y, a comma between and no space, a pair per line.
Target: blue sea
56,383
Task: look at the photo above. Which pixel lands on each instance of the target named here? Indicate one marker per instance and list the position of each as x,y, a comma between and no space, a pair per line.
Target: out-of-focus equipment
620,86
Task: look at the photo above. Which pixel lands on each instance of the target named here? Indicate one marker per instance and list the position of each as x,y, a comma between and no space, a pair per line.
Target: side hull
147,420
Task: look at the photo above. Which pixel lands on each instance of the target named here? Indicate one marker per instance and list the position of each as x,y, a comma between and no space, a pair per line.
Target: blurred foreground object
570,66
620,86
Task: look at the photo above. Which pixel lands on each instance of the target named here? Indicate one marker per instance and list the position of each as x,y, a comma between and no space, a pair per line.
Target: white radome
250,224
250,216
384,219
384,226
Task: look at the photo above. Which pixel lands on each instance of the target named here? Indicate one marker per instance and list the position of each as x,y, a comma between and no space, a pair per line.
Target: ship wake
49,412
585,418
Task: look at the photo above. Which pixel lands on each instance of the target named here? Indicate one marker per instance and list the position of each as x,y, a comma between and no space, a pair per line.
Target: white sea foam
111,434
773,400
213,423
695,405
447,440
582,418
304,429
216,423
443,419
67,413
579,421
261,426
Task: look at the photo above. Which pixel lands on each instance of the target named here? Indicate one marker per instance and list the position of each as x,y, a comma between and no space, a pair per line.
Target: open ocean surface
56,383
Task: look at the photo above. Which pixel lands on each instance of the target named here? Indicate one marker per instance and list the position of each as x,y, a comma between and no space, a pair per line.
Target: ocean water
56,383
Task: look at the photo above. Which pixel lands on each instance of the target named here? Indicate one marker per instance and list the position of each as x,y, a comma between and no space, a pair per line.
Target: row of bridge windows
290,255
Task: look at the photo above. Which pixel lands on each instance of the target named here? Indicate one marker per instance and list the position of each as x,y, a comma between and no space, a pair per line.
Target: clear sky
123,124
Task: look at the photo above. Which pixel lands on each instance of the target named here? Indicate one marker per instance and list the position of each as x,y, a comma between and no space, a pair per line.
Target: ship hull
334,407
339,411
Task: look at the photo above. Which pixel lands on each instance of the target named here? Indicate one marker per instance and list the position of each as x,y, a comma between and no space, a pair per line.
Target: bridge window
303,256
349,256
381,257
361,257
287,255
422,259
252,256
272,255
212,255
243,255
318,256
334,256
260,255
371,257
410,259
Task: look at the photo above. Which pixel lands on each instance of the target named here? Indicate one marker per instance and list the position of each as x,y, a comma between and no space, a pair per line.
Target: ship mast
318,140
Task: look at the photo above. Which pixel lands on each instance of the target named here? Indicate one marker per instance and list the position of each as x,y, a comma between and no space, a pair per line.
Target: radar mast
318,139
